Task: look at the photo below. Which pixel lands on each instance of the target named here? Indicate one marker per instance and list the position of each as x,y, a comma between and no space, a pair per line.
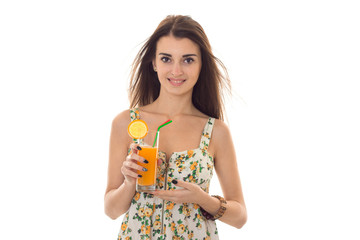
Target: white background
294,114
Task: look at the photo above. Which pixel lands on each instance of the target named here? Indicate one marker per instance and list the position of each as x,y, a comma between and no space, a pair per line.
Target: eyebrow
186,55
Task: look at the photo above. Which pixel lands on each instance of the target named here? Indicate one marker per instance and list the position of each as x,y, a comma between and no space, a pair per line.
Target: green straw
158,130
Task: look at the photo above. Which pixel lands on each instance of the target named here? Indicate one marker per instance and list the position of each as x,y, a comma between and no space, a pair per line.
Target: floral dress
150,217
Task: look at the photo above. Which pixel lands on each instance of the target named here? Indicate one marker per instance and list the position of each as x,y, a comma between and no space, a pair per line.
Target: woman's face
178,64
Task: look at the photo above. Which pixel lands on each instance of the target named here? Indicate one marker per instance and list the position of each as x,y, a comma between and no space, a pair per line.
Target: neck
172,105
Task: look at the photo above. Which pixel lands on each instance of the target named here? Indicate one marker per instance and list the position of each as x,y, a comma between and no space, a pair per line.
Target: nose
176,70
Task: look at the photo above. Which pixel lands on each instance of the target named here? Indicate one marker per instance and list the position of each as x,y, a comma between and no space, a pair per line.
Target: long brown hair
207,94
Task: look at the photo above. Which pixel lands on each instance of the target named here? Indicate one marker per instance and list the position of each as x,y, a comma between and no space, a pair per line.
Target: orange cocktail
137,130
148,180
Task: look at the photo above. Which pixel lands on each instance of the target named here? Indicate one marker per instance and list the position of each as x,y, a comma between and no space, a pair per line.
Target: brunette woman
175,76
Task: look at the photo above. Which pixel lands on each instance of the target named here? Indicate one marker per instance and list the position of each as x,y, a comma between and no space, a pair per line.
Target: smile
176,82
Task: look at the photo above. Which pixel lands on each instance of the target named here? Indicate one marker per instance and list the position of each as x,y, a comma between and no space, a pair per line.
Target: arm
120,188
228,175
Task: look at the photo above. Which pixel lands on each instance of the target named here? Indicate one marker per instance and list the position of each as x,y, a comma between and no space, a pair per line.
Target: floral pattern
152,218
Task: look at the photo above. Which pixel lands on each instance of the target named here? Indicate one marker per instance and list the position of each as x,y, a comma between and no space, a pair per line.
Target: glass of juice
148,180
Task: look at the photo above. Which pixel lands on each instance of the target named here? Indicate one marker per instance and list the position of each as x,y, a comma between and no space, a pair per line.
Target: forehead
177,46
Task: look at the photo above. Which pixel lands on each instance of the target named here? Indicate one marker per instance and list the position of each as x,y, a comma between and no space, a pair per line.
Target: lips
176,82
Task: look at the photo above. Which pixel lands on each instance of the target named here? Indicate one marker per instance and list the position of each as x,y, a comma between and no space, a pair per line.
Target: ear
154,65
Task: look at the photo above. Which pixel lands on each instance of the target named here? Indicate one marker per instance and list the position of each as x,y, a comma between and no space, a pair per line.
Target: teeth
178,81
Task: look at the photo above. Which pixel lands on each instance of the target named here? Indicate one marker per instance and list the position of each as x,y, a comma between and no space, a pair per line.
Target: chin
178,91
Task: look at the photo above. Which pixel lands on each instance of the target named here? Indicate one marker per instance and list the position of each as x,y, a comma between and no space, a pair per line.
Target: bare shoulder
122,119
220,130
119,126
221,137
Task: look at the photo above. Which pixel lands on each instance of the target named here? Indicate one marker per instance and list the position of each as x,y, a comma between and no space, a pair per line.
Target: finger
168,193
165,195
183,184
134,156
129,173
135,147
134,166
161,193
176,196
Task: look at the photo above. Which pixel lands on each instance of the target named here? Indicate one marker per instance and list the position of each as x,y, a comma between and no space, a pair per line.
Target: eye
188,60
165,59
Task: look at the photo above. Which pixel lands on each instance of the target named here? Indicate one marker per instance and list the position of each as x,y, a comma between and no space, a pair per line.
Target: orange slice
137,129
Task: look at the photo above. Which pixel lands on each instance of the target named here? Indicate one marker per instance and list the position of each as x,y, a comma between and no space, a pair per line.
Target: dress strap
206,134
134,114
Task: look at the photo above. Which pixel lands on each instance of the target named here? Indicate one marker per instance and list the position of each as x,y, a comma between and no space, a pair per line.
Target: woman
175,76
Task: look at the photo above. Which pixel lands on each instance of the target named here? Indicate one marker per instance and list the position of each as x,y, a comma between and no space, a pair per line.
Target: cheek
163,70
162,75
195,72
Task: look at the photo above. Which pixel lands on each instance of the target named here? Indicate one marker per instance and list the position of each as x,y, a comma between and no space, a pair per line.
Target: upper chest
176,138
184,133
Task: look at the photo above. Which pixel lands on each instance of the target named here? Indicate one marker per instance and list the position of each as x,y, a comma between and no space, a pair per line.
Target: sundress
150,217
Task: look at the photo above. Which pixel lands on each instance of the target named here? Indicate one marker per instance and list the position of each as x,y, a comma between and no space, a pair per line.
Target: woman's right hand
131,167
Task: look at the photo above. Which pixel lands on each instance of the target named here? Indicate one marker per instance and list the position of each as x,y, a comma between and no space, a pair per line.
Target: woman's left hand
191,193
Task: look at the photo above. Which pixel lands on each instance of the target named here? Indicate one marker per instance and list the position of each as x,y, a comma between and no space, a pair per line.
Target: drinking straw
158,130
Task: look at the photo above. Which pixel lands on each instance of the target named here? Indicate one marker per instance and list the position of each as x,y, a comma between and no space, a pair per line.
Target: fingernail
174,181
144,169
138,148
146,161
139,175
